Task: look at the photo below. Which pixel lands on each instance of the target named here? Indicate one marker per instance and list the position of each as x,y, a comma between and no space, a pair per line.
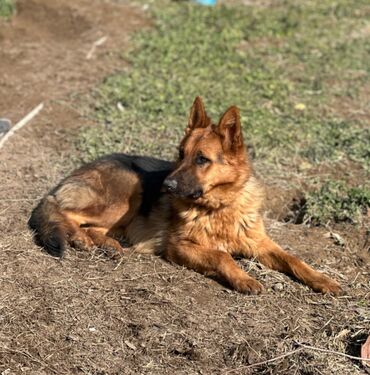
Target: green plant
334,201
7,8
290,67
277,64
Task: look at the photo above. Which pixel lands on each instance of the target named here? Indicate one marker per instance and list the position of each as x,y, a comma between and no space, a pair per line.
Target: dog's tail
50,226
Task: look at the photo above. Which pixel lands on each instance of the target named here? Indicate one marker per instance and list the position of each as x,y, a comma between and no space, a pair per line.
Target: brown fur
211,215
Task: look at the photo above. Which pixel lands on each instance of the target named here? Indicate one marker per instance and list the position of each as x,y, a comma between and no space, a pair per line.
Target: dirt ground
87,314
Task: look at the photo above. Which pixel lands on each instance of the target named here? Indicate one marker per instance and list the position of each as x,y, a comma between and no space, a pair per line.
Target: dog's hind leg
76,201
108,244
78,238
53,228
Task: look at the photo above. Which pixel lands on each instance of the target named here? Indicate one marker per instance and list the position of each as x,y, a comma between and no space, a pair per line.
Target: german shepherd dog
198,212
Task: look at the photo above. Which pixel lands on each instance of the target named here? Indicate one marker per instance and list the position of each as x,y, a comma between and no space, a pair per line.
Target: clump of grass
284,65
281,65
7,8
334,201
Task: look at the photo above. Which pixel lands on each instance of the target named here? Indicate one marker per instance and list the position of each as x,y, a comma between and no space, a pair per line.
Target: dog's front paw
325,284
247,285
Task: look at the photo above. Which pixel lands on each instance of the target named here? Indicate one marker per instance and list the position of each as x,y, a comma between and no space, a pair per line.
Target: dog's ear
229,129
198,117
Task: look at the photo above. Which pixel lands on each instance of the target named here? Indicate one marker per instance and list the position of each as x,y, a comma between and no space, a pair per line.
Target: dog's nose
170,184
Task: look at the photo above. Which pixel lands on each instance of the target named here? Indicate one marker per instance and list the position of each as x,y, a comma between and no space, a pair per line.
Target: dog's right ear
229,129
198,117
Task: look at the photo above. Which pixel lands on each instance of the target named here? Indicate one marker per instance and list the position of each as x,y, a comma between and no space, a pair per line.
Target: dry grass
87,314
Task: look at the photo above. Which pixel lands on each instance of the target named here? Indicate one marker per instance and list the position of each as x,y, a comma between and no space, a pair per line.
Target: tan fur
148,235
212,214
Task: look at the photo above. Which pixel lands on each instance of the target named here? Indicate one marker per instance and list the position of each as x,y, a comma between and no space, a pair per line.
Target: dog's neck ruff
247,200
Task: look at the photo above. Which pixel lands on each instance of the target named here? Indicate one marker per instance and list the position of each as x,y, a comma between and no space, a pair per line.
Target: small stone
71,338
304,166
338,240
5,125
278,287
120,107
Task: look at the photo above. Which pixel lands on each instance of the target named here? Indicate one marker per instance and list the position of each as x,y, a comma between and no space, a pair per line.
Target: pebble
278,287
5,125
120,107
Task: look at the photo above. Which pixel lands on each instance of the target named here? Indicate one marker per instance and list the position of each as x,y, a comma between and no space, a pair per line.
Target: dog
199,212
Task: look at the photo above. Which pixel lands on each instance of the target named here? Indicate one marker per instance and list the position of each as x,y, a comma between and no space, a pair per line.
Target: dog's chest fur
226,228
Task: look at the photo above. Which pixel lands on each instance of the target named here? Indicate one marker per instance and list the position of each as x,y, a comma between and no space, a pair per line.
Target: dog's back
105,193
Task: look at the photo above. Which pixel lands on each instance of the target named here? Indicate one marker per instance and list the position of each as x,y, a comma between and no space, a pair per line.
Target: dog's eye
201,160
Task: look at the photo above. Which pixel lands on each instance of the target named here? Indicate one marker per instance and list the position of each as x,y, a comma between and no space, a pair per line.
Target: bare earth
87,314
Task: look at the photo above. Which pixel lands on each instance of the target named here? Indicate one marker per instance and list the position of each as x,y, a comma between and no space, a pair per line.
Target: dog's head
212,158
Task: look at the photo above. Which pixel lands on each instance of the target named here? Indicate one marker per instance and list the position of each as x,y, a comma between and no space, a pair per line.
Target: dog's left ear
229,129
198,117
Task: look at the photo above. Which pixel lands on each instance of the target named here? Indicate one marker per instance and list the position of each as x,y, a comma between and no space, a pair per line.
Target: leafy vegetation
335,202
7,8
290,67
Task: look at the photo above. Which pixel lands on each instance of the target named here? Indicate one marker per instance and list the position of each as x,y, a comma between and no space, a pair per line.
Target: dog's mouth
186,195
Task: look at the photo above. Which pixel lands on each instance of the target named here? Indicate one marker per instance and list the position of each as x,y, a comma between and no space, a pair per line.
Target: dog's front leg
211,262
273,256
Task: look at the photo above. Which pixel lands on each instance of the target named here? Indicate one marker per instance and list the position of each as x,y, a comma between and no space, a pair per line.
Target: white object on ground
98,43
21,123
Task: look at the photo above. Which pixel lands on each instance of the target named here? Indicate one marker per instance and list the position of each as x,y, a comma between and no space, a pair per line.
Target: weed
334,201
7,8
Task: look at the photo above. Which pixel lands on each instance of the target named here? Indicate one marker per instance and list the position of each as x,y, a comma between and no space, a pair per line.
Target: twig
331,352
21,123
267,361
96,44
302,346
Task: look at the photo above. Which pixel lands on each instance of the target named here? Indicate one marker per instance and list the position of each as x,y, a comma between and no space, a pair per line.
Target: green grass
336,202
289,67
7,8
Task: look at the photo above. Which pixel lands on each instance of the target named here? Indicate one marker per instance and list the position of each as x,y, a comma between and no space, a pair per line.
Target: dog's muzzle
172,186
